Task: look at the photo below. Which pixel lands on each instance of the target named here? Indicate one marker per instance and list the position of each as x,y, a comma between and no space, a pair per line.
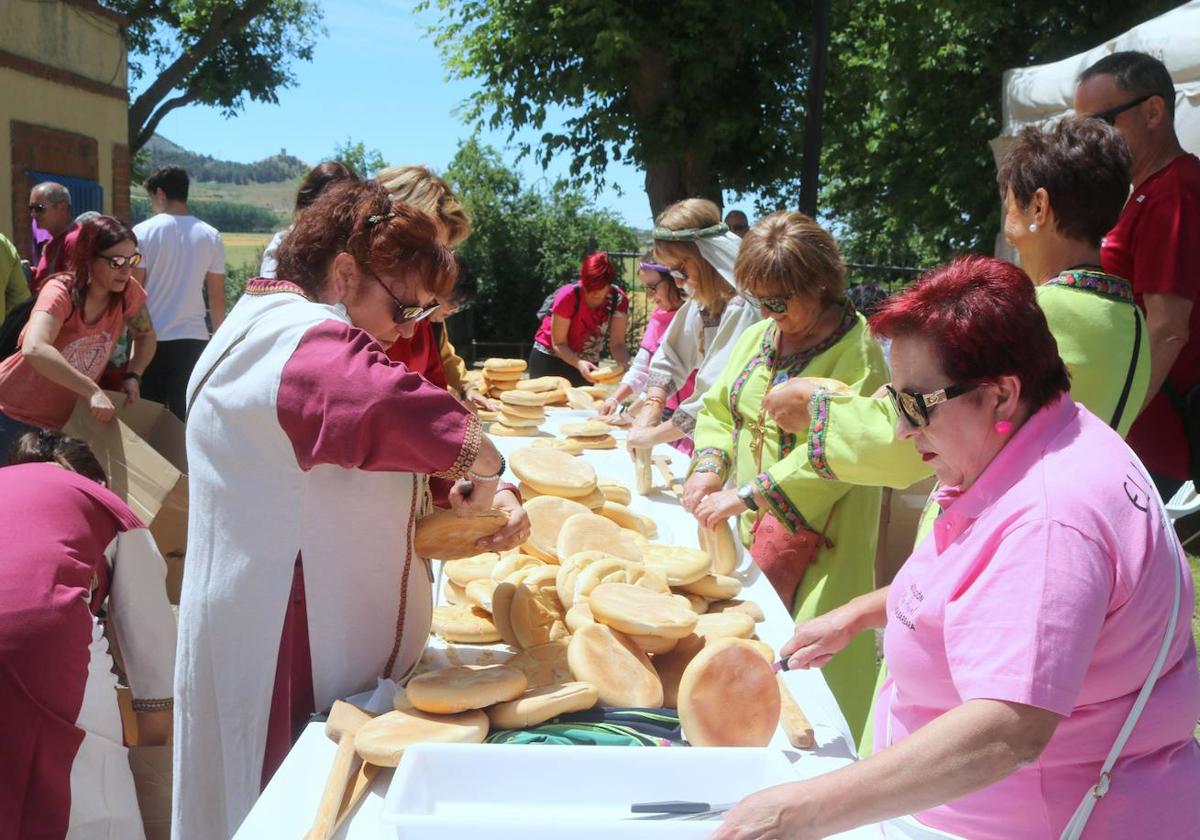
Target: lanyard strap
1074,828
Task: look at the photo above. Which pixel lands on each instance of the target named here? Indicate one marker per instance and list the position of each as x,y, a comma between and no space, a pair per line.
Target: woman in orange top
70,335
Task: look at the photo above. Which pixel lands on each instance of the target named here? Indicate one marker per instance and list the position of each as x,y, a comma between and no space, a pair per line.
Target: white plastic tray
468,791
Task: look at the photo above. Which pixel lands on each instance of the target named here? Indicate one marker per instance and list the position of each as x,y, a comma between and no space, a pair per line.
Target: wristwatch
746,494
132,375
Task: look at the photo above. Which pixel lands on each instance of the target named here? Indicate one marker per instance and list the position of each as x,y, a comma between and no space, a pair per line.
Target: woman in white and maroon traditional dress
70,545
308,450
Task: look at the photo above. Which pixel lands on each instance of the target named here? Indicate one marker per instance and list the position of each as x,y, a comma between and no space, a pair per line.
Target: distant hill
275,169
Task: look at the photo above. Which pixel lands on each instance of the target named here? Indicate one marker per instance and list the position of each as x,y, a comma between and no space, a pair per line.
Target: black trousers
545,364
166,379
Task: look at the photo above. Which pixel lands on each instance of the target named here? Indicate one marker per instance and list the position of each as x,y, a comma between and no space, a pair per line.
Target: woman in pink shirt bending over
1049,605
75,322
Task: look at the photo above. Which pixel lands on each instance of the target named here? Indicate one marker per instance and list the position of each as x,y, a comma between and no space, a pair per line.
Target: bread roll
728,697
568,571
681,565
577,398
569,446
640,611
605,442
505,566
467,569
719,544
447,691
609,660
729,625
526,398
465,624
537,616
622,515
585,429
444,535
452,593
614,491
552,472
643,471
516,422
538,705
543,384
714,587
670,666
382,740
504,430
546,517
587,531
750,608
502,598
543,664
479,593
617,571
501,365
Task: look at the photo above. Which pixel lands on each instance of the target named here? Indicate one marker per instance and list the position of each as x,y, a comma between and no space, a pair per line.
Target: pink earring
1002,427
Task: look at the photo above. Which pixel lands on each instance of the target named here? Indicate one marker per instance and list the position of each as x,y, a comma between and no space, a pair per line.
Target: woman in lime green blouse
794,271
1063,190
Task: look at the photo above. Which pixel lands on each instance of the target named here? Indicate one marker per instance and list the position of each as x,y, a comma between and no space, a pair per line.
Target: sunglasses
122,262
914,406
1110,116
406,313
37,208
775,305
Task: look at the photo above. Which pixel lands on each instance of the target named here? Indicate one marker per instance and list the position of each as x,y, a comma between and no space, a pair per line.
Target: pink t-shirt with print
1047,583
28,396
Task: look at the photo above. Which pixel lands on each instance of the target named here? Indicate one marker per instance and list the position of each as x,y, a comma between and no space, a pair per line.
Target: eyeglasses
406,313
123,262
37,208
1110,116
914,406
776,305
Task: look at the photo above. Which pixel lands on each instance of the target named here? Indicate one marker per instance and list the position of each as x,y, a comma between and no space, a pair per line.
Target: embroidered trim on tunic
269,286
660,380
781,505
1097,282
818,408
472,440
711,459
417,491
157,705
684,421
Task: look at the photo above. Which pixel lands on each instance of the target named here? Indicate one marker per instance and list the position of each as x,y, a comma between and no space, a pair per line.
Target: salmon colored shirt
1046,583
28,396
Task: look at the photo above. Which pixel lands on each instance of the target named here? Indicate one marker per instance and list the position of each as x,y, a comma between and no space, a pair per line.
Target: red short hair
596,271
983,317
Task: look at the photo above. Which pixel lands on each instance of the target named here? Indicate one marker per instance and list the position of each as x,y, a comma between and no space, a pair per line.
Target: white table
287,806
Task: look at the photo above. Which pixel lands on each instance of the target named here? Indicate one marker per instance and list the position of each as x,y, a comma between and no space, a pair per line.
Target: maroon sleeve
341,401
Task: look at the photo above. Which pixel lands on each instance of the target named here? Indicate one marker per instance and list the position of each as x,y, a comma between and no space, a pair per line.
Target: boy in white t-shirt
181,257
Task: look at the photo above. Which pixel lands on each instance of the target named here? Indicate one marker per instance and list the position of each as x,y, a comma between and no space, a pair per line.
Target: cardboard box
143,450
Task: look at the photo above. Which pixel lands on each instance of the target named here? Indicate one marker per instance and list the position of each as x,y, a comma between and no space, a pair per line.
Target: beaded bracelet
474,476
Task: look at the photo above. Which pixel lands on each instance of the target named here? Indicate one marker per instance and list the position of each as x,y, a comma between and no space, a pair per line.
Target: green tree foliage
913,100
213,52
702,95
524,242
160,151
223,215
366,162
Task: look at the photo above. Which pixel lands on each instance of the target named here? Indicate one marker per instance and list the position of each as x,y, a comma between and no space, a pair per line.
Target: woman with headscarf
692,242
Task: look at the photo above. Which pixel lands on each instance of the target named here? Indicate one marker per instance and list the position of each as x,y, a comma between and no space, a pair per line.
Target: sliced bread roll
451,690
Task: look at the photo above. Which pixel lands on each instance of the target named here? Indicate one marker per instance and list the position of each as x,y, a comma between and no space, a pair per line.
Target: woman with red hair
308,455
72,328
1042,665
583,317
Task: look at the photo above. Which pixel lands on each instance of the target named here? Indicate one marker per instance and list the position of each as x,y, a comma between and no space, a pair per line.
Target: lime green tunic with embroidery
791,478
1095,323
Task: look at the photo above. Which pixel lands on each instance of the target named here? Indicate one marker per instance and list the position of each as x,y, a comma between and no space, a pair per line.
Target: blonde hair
420,187
789,251
712,292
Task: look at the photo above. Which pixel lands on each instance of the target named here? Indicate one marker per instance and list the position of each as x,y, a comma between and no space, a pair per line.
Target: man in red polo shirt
50,207
1155,244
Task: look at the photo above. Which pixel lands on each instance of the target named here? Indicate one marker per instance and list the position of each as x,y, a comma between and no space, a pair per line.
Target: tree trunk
673,179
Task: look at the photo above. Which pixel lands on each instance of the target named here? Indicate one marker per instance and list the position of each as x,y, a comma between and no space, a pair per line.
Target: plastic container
469,791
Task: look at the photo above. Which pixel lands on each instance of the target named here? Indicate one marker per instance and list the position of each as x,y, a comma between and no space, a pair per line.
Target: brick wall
48,150
120,184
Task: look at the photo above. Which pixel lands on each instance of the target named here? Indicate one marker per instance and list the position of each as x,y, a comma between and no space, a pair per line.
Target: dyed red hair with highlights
401,239
596,272
984,320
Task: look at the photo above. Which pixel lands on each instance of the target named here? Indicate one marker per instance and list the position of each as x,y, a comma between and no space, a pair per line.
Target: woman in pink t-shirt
74,324
1021,631
584,317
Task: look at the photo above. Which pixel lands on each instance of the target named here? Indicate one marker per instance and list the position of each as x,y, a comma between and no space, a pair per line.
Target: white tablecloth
287,806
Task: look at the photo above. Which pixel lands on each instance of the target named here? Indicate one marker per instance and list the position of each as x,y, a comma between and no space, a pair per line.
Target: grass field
242,249
280,196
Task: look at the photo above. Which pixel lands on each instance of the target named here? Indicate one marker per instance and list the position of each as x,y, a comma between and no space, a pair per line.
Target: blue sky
377,78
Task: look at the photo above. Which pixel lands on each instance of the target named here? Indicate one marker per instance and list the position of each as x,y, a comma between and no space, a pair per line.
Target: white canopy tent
1043,93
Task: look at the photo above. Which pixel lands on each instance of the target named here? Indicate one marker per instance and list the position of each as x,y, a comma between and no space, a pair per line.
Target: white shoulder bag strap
1074,828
